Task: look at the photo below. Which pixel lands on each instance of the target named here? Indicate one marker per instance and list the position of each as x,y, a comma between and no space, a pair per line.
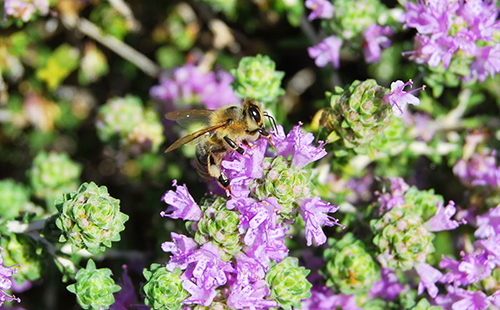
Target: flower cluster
347,22
125,123
6,273
480,170
189,85
456,34
238,256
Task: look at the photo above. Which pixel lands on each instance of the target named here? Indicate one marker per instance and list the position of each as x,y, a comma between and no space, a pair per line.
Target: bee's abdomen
202,161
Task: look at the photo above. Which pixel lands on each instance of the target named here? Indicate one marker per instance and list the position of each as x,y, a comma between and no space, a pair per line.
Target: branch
126,51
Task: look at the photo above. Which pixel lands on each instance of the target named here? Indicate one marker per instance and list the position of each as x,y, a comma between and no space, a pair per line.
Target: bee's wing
193,136
190,116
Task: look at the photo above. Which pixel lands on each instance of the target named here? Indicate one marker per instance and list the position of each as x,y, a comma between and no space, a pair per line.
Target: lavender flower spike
428,278
6,273
181,204
399,98
488,224
376,38
326,51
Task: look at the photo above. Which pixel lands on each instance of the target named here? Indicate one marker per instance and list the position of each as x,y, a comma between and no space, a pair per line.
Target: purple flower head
326,51
6,273
398,98
315,211
487,62
488,224
24,9
207,266
388,287
248,269
442,219
320,9
428,278
376,38
491,247
395,197
473,268
299,145
250,296
181,204
479,170
188,84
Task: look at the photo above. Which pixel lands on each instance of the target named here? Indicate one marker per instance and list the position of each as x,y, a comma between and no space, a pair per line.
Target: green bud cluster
401,238
349,267
220,226
357,114
124,122
350,21
284,182
21,250
393,140
94,287
15,197
424,202
53,174
256,77
163,289
90,218
288,283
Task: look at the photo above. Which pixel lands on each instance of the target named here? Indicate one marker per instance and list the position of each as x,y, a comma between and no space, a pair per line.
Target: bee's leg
232,144
214,168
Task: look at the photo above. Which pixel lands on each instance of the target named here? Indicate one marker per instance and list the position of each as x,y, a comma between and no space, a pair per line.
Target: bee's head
254,117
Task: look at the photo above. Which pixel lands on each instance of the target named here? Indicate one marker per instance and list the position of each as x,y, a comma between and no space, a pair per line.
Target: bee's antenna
272,121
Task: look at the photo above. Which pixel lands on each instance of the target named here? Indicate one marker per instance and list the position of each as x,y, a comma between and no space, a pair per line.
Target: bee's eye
255,114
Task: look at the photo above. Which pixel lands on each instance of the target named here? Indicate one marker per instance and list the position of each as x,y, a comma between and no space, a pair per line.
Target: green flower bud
90,218
424,202
53,174
220,226
401,238
358,114
22,250
94,288
350,20
288,283
147,136
118,117
285,183
257,78
393,139
15,197
163,288
349,267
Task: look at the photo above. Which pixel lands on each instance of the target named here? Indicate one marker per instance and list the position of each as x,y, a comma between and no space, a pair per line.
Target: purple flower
460,299
473,268
314,212
488,224
487,62
322,298
24,9
181,204
491,247
299,144
480,170
6,273
428,278
388,287
376,38
188,85
200,295
442,219
126,297
182,248
398,98
326,51
320,9
395,197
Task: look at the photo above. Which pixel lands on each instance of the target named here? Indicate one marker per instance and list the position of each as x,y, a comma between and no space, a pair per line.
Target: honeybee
225,128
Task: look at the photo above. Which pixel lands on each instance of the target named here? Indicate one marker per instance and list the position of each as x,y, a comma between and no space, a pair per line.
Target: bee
226,127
